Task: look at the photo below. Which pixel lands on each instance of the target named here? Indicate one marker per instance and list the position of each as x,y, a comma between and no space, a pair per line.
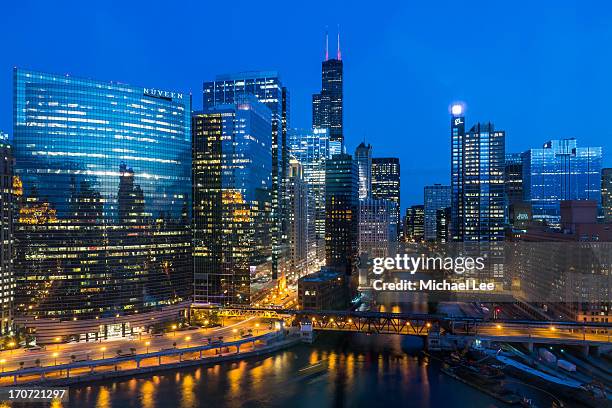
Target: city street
61,353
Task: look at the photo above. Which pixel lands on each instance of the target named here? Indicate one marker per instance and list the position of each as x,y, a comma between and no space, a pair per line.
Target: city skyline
528,102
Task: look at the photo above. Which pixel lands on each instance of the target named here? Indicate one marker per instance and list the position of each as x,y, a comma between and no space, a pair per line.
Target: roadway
61,353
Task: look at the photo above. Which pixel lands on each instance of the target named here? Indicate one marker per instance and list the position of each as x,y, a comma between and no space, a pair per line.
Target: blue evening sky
537,69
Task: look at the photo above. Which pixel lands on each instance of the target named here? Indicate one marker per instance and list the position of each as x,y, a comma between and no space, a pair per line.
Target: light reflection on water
363,371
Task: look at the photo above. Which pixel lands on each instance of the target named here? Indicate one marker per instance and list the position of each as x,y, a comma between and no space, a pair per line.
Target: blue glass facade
103,225
232,178
560,170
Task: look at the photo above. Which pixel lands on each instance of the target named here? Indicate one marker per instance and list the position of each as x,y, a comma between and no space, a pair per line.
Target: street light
11,345
187,338
148,343
57,340
55,357
103,349
2,363
174,330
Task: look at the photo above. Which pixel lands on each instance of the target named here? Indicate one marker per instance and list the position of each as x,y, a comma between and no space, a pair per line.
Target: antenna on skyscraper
339,53
326,43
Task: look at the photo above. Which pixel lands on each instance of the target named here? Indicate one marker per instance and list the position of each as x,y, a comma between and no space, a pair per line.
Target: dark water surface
363,371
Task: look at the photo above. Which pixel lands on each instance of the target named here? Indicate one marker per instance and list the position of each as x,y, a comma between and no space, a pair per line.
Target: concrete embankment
207,361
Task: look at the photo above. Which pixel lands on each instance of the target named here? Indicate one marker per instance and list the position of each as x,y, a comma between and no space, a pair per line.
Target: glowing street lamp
174,330
2,363
11,345
55,357
103,349
187,338
148,343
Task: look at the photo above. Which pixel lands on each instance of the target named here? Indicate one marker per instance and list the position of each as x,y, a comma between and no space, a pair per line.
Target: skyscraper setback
267,88
328,105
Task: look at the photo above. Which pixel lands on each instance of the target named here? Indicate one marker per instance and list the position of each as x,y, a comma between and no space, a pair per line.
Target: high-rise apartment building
443,225
297,199
363,157
103,240
477,175
7,283
232,179
386,184
267,88
560,170
342,213
436,197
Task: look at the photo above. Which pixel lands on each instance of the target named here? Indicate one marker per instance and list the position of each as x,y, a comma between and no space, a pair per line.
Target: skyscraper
414,223
443,225
513,174
342,213
232,178
436,197
267,87
363,157
7,285
311,148
606,194
103,230
386,184
477,174
297,198
377,232
560,170
457,170
328,105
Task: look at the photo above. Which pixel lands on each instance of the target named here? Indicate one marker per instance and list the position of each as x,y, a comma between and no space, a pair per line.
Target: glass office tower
267,88
436,197
386,184
103,226
328,105
363,157
232,179
477,174
311,147
342,213
7,284
560,170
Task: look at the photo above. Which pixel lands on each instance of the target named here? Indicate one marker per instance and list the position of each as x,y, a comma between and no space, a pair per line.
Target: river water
363,371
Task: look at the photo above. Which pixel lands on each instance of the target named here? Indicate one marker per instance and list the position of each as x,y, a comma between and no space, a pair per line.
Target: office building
436,197
414,224
312,149
443,225
386,184
477,175
7,286
606,194
103,240
377,232
363,157
267,88
323,290
342,213
297,198
232,178
513,176
560,170
328,105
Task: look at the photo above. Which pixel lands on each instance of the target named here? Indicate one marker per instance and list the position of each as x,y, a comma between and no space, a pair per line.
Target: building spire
339,53
326,44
